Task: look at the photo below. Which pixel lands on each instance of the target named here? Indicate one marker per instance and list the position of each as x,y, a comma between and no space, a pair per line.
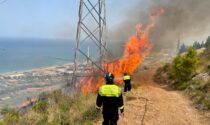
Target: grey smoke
182,18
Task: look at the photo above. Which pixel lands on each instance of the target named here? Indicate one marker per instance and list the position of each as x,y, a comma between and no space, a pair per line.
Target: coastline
17,86
35,69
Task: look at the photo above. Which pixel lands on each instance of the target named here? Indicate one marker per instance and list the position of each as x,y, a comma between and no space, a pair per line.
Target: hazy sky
57,19
53,19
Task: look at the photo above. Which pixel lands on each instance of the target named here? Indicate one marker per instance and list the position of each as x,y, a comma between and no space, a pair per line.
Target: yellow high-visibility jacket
126,77
110,97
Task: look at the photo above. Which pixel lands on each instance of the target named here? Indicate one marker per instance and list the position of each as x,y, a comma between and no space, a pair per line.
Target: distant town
15,87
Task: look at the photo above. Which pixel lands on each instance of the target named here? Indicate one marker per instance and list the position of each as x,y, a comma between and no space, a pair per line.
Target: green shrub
182,86
198,96
166,67
208,67
207,103
183,67
41,107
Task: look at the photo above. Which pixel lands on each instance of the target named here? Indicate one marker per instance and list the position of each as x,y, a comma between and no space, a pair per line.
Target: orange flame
135,51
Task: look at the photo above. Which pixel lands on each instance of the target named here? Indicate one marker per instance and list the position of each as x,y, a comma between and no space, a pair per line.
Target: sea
25,54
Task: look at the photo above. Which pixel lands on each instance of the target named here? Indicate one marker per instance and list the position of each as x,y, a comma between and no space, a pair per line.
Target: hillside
190,73
149,103
164,106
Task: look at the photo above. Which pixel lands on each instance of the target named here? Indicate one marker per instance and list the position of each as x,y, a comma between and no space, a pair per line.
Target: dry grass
62,110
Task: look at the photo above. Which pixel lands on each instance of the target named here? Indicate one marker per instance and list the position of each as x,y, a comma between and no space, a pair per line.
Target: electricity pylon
91,33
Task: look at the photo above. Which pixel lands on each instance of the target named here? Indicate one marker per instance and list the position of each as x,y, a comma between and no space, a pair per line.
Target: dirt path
164,107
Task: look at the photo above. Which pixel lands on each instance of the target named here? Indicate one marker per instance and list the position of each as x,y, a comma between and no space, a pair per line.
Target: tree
207,45
202,44
183,67
183,48
196,45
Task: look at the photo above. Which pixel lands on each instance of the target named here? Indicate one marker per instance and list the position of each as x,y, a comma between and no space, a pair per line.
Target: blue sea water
25,54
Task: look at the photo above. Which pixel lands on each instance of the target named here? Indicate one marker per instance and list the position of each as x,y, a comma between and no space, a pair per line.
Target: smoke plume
182,19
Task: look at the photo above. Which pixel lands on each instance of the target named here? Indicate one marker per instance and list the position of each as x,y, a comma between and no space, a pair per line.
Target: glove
98,109
121,110
122,113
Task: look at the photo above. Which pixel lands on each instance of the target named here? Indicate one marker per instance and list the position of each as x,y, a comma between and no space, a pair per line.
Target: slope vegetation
164,106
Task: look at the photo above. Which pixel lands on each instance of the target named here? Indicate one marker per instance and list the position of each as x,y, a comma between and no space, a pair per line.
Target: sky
57,19
50,19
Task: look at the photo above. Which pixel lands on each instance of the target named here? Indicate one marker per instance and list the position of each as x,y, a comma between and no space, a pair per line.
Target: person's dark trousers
110,119
127,87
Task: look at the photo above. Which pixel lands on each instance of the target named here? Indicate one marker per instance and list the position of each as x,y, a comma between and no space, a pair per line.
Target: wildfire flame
135,51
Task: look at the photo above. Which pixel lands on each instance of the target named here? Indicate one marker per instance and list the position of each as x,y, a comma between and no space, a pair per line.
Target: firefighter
127,82
110,98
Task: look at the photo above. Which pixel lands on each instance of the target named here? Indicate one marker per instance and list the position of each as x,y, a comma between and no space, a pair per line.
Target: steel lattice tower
91,32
